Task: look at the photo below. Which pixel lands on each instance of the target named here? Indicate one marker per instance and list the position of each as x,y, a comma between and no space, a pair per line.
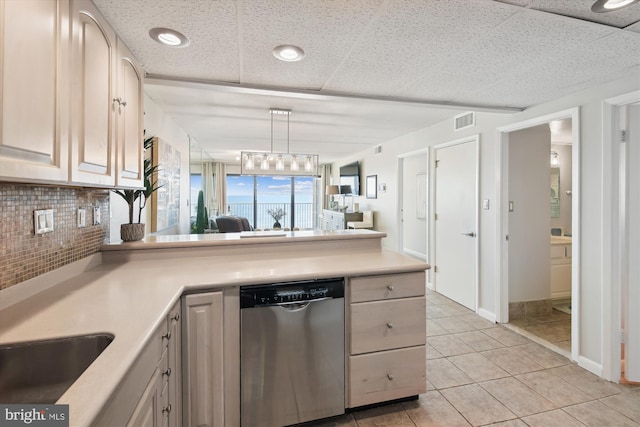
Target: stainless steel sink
41,371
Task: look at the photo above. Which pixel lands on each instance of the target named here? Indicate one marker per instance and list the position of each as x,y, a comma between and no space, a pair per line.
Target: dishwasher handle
299,305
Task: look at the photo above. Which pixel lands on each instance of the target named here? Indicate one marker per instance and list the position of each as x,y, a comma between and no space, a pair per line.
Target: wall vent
377,149
463,121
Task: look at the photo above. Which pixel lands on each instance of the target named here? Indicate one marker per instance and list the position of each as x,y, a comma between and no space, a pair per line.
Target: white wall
156,123
530,221
592,197
564,221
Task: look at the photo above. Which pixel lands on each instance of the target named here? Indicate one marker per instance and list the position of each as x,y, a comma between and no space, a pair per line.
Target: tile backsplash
24,255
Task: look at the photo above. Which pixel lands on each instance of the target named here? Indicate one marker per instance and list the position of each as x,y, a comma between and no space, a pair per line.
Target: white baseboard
487,315
590,365
430,286
415,254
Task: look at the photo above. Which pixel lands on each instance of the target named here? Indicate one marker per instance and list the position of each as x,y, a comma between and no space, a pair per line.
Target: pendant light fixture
286,164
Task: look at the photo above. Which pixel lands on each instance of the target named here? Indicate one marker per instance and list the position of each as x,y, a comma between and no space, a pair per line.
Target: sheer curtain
325,179
207,187
220,187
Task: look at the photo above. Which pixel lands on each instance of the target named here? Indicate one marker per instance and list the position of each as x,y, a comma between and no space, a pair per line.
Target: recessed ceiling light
288,53
610,5
169,37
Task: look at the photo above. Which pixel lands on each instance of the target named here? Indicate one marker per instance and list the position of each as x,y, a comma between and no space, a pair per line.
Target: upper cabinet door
34,91
129,119
93,107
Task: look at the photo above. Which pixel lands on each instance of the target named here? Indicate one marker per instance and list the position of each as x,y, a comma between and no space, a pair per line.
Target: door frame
502,229
432,206
612,221
400,199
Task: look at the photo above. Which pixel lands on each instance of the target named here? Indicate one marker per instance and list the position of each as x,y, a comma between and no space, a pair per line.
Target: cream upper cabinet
34,106
128,104
93,108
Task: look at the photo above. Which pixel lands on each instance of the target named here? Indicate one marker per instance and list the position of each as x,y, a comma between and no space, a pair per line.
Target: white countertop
130,299
560,240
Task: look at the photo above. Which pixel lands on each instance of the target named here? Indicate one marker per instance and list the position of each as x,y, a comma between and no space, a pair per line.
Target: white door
456,210
632,246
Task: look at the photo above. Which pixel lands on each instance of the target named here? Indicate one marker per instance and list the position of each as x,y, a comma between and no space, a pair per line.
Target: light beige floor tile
554,388
512,361
627,403
554,316
346,420
443,374
434,328
564,345
587,382
542,356
448,345
506,337
383,416
557,418
432,353
477,405
516,396
510,423
523,321
433,410
430,386
478,322
478,367
436,311
478,341
548,332
597,414
454,324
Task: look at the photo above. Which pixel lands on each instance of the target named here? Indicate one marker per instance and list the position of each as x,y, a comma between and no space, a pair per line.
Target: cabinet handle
166,409
120,101
389,325
390,377
390,287
167,335
176,317
167,372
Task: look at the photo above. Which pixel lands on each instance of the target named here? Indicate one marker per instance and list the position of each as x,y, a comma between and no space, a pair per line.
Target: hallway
481,374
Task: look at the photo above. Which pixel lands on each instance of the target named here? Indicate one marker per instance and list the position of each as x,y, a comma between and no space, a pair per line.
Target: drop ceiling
374,69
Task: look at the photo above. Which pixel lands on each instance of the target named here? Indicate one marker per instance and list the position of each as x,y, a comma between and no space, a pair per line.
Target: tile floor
481,374
554,328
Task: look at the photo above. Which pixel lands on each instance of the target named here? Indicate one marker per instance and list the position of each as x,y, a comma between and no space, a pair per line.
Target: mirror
555,192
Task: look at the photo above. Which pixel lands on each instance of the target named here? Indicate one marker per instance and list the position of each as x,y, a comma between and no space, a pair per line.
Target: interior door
456,210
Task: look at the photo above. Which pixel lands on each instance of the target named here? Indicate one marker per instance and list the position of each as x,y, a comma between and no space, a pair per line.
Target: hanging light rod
259,163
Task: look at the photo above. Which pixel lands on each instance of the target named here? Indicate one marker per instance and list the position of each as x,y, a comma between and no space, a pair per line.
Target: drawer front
387,375
386,287
557,251
383,325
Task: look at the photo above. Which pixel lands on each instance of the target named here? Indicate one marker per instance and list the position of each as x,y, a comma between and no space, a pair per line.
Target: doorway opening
538,224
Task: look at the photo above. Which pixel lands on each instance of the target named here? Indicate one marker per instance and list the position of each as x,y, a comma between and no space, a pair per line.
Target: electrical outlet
43,221
82,217
96,216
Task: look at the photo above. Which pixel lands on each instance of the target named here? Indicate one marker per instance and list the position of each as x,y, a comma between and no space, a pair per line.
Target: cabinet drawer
387,375
557,251
383,325
386,287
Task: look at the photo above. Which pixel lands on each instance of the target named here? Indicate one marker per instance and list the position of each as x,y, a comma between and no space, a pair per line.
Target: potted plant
277,215
135,231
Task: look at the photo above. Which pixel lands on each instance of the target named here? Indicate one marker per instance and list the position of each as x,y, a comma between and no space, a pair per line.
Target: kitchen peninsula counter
129,288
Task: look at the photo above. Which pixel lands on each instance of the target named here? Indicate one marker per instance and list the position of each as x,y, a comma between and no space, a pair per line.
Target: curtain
325,179
220,187
207,187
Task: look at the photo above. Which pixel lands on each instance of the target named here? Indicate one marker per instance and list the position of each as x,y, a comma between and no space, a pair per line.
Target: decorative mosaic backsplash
24,255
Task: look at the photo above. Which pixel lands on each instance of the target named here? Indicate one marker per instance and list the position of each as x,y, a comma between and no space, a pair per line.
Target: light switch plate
43,221
82,217
96,216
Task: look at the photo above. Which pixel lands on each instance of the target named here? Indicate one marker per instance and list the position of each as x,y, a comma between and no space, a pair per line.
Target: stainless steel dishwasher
292,352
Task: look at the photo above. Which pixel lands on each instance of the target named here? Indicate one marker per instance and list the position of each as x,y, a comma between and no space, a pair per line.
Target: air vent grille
463,121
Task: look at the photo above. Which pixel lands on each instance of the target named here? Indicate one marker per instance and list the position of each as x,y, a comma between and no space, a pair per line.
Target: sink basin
41,371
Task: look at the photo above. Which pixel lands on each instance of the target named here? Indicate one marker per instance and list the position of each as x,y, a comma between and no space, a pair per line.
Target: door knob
470,234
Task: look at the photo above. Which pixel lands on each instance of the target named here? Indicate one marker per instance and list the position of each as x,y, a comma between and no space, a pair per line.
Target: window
254,196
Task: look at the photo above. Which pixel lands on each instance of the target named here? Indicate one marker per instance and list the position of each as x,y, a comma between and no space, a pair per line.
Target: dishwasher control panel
279,293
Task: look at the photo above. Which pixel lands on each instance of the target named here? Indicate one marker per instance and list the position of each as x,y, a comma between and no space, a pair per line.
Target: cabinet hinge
435,216
435,268
621,336
623,135
437,162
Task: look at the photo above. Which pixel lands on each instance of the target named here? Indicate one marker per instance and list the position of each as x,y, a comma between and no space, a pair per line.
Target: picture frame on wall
372,186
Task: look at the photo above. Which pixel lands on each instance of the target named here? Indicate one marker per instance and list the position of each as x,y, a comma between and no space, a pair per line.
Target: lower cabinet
386,338
150,393
203,397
